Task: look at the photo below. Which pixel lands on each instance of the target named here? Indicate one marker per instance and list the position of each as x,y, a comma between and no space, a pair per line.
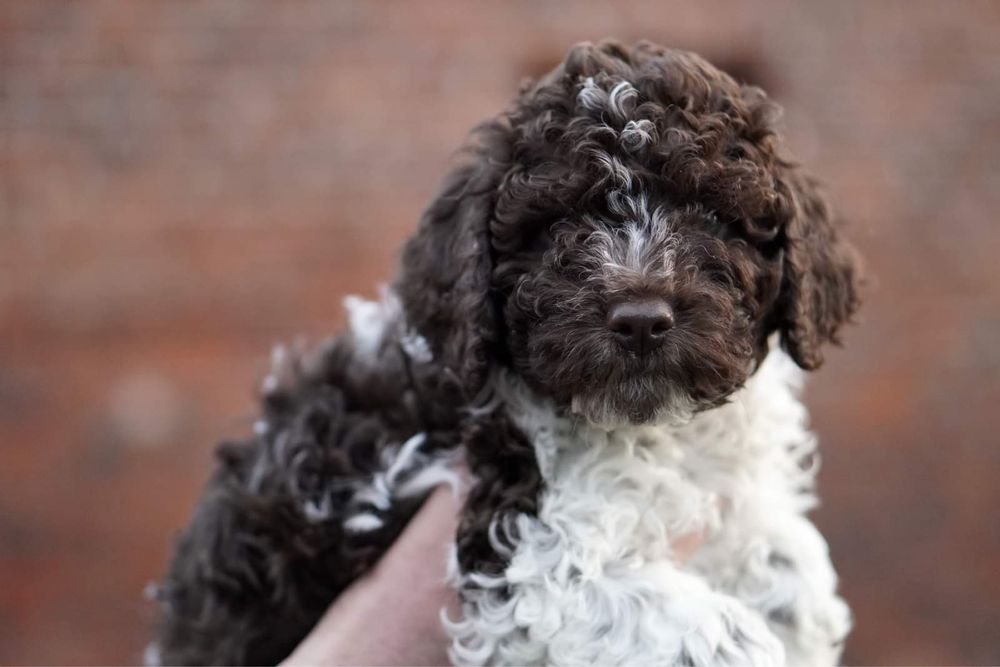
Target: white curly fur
592,579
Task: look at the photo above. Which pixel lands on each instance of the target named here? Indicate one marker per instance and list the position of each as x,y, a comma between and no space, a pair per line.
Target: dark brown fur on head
628,173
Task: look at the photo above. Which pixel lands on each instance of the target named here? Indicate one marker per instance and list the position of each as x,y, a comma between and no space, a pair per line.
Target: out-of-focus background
183,184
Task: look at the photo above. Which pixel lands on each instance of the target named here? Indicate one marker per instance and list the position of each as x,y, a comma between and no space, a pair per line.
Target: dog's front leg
775,561
543,610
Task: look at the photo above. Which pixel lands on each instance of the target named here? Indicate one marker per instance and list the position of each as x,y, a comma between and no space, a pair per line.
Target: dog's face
626,239
646,310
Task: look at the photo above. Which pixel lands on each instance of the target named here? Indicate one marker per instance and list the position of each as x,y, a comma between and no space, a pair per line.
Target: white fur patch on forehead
633,207
633,252
643,244
619,173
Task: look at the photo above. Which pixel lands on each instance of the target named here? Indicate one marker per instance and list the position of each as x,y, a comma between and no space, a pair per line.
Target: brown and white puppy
599,315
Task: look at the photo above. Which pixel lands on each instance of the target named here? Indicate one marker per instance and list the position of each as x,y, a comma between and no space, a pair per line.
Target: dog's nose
642,325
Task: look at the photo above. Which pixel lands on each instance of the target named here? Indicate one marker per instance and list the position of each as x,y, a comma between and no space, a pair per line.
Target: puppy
604,315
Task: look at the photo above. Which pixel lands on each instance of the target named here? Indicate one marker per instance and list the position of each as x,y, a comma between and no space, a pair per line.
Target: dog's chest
620,498
622,495
596,559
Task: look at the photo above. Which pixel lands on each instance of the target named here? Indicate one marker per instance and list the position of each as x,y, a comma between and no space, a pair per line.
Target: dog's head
626,237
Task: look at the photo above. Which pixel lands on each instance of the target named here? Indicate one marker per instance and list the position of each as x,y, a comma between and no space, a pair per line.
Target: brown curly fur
509,270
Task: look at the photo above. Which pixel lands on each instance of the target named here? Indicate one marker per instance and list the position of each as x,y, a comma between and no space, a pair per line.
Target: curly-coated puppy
601,315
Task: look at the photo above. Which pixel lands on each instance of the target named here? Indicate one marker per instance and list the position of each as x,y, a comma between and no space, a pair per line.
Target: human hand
391,616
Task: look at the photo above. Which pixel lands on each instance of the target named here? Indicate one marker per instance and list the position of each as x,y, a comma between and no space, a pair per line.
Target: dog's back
305,505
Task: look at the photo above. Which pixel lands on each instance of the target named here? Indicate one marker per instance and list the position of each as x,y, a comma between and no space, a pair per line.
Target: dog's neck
635,490
722,441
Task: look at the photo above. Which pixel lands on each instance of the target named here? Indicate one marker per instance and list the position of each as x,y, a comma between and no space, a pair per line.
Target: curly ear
444,282
822,272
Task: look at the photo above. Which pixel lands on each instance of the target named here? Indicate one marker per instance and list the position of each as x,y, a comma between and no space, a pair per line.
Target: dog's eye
716,225
718,271
540,241
721,277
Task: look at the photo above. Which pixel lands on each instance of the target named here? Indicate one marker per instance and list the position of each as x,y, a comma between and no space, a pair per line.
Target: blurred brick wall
184,183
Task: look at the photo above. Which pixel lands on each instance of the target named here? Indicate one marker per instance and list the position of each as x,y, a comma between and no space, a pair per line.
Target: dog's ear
444,283
822,272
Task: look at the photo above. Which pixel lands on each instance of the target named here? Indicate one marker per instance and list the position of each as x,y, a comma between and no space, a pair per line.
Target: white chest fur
592,578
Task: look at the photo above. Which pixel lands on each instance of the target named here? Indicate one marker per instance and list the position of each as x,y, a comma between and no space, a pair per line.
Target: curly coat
626,173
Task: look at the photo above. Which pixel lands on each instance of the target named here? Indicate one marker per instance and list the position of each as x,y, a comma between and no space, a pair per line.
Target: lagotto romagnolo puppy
603,315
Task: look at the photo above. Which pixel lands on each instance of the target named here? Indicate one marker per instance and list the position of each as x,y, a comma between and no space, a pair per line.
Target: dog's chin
631,405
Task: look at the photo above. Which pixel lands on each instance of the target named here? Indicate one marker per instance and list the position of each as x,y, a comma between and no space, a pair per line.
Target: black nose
641,325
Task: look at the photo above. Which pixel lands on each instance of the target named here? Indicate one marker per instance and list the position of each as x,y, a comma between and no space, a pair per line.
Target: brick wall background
184,183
